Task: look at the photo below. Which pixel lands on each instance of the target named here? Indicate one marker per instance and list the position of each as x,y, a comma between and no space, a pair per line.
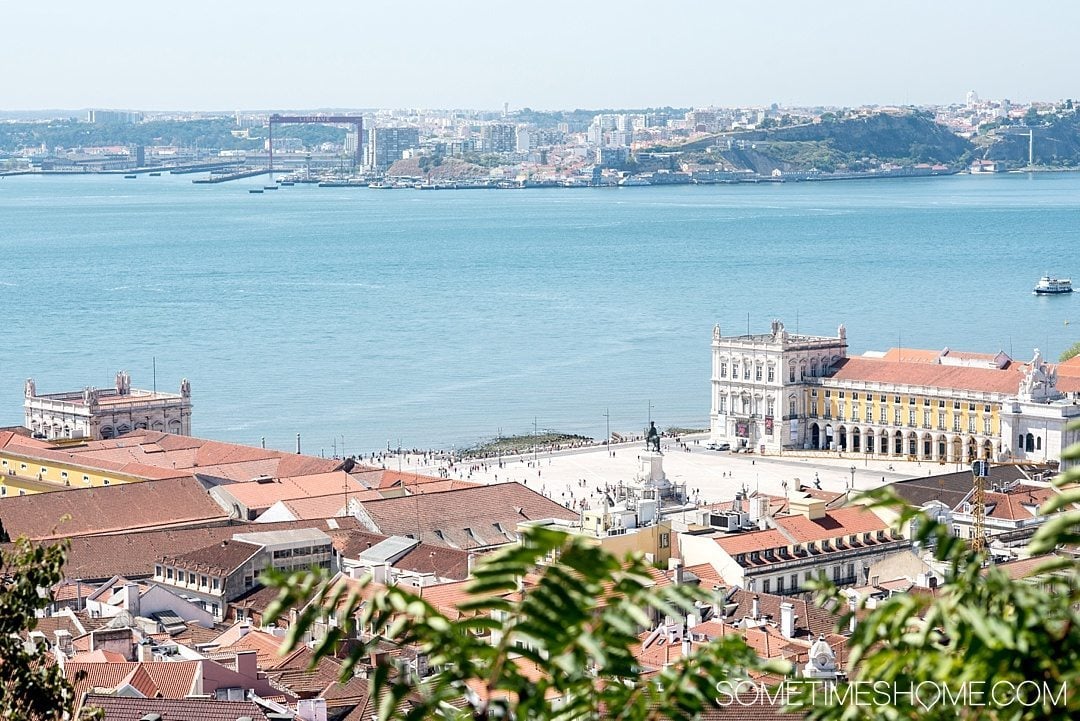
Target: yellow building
936,406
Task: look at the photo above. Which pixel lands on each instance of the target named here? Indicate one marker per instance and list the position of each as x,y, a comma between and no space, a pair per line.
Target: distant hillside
845,145
447,169
1057,144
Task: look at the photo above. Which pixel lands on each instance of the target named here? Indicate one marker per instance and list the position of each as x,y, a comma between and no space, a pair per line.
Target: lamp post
607,441
852,469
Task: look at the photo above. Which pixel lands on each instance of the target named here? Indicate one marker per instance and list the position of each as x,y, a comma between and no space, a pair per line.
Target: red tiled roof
753,541
173,679
838,522
120,508
260,496
134,709
134,554
463,518
266,647
978,380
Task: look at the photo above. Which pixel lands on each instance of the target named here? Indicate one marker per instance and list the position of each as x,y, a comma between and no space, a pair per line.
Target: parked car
719,446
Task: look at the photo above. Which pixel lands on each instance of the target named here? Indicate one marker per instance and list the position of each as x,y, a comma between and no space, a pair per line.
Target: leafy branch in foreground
547,632
31,688
985,645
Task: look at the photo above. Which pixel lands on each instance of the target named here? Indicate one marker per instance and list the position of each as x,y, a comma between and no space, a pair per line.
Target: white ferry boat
1048,285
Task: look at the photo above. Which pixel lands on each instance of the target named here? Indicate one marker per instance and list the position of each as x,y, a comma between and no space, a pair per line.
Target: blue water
442,318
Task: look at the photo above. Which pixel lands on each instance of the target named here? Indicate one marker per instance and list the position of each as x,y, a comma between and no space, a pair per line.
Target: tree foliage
561,648
32,689
1070,352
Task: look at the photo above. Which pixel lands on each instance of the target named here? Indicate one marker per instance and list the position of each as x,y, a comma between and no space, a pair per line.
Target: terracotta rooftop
266,647
134,709
838,522
219,558
737,543
465,518
120,508
326,506
172,679
134,554
216,459
909,373
810,619
260,495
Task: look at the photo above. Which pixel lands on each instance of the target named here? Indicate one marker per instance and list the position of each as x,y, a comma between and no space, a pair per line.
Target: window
44,470
157,571
956,405
911,418
926,402
813,368
791,373
63,475
840,409
840,394
791,407
780,585
202,581
770,407
956,423
757,372
772,373
214,583
735,370
105,482
828,393
794,582
86,479
896,399
665,540
896,417
911,400
883,416
813,392
986,409
180,576
723,404
22,466
869,414
926,419
813,409
168,573
986,426
765,585
854,395
723,370
746,371
941,421
971,425
971,406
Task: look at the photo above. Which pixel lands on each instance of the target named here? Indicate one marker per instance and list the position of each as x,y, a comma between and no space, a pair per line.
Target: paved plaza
567,476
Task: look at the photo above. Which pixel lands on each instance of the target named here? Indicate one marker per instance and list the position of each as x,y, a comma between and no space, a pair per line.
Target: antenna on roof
155,375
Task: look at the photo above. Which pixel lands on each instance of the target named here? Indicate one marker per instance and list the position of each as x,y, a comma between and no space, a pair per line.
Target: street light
607,441
852,469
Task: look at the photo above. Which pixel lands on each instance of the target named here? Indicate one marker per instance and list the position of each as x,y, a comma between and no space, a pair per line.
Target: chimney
676,565
131,598
755,609
787,619
243,629
145,651
63,643
247,664
851,609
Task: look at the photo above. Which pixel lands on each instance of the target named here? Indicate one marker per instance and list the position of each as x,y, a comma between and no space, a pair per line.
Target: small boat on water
287,183
155,175
1049,285
255,190
130,177
269,187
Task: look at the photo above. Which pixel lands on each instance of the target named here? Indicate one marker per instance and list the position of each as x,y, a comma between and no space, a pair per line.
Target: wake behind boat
1049,285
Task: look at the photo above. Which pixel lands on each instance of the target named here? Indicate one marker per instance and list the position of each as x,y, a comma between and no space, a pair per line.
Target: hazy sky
237,54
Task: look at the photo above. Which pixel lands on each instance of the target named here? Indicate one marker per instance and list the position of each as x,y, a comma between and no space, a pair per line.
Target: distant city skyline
554,55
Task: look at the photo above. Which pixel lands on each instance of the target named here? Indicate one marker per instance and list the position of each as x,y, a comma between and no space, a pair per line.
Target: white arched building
95,413
777,391
758,382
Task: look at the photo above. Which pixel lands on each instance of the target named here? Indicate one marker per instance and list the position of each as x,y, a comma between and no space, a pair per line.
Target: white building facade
95,414
758,382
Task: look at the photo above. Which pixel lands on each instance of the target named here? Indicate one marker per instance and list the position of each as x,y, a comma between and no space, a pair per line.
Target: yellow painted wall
23,472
